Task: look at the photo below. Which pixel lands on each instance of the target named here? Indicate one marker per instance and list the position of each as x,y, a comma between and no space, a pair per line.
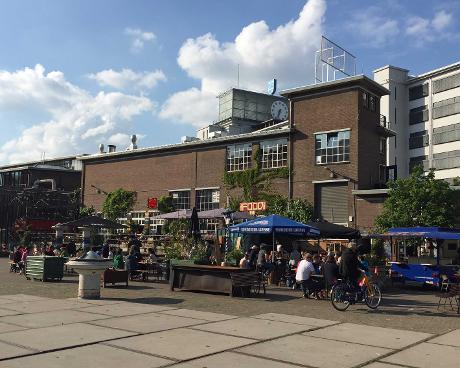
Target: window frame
274,153
211,204
332,146
239,157
180,199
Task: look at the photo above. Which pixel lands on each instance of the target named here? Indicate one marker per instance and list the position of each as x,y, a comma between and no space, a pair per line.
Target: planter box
45,268
112,276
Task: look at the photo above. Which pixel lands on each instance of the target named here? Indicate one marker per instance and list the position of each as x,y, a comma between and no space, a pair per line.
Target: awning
332,231
275,224
421,232
91,221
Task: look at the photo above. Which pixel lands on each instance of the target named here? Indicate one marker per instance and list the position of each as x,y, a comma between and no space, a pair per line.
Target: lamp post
227,218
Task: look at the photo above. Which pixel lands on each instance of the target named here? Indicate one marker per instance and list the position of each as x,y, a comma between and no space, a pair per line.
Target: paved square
145,323
369,335
315,352
206,316
6,327
254,328
97,301
451,338
381,365
427,356
58,337
92,356
54,318
125,309
9,351
182,343
47,305
7,312
233,360
295,319
25,297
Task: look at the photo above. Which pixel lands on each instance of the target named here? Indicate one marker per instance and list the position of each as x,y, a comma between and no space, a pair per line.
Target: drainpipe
291,125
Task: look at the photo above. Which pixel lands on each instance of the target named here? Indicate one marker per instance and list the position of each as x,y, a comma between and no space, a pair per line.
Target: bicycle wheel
255,288
372,296
338,297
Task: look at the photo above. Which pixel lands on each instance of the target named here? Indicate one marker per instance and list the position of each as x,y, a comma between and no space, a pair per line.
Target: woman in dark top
330,271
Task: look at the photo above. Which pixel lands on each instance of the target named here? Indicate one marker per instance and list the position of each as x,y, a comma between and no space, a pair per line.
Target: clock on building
279,110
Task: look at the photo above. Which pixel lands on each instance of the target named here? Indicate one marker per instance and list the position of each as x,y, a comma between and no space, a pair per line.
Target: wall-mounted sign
253,206
271,87
152,203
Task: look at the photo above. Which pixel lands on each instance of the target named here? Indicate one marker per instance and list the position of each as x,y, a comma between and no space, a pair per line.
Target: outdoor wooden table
203,278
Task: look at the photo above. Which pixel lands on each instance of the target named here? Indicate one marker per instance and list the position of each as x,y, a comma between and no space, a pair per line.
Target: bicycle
343,294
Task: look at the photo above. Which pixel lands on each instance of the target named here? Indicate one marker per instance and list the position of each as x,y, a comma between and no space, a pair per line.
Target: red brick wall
367,209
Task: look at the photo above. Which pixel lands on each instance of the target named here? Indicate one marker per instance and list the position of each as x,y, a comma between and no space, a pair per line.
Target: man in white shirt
305,269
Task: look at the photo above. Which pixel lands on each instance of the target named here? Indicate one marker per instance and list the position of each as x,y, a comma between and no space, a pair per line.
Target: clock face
279,110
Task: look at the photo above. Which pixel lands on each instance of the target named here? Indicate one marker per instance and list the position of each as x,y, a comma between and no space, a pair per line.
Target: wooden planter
45,268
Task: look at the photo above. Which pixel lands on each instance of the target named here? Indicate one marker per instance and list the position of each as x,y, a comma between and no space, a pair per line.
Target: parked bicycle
344,294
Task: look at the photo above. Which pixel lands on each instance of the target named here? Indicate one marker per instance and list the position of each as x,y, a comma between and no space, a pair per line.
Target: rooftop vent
188,139
101,148
112,148
133,145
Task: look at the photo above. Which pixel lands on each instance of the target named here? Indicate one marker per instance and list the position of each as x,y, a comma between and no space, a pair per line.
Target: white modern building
424,111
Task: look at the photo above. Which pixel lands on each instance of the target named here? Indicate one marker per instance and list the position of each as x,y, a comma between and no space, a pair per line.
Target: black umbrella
194,230
332,231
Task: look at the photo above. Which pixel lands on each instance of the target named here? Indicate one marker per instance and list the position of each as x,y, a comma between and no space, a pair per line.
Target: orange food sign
253,206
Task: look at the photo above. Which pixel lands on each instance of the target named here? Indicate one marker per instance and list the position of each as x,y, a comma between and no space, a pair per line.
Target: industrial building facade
332,143
424,111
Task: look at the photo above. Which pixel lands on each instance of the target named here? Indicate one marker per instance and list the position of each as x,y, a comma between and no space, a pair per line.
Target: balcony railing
383,122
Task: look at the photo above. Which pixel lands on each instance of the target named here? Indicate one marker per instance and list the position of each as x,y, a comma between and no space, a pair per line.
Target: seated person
153,258
131,260
244,262
305,269
330,271
118,262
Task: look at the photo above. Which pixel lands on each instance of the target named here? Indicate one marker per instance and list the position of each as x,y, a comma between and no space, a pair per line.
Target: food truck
424,255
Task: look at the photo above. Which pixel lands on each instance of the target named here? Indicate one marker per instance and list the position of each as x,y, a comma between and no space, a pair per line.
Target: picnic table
204,278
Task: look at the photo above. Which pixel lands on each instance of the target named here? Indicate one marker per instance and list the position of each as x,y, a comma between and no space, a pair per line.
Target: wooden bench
247,282
113,276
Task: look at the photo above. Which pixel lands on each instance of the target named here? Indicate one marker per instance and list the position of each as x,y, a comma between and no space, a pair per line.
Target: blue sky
74,74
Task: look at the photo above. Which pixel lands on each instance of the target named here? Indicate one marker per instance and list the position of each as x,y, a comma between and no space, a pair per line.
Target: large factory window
239,157
332,147
181,199
207,199
274,153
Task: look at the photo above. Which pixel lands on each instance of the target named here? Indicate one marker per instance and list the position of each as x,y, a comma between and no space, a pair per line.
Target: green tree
118,203
86,211
296,209
165,204
418,200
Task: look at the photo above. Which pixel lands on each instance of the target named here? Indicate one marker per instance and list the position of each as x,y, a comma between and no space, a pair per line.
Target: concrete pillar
86,238
89,284
59,237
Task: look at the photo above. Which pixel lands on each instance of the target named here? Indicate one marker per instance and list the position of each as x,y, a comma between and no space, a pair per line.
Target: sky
74,74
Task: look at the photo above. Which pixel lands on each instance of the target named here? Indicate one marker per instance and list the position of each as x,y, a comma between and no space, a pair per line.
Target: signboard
271,87
152,203
253,206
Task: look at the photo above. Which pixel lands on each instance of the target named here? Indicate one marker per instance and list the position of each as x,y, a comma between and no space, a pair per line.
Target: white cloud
78,121
139,38
441,20
373,28
286,52
424,30
127,78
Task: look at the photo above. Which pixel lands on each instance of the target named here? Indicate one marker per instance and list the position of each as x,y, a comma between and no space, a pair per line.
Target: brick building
333,142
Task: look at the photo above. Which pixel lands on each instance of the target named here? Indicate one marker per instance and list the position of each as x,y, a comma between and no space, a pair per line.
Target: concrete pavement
47,332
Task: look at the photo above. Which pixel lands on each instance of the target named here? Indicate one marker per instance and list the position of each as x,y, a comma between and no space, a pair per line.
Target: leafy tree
118,203
165,204
296,209
418,200
86,211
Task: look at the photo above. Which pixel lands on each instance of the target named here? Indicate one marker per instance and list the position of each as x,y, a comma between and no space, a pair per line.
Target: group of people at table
314,273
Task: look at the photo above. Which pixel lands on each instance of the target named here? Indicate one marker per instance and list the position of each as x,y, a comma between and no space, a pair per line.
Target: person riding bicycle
349,266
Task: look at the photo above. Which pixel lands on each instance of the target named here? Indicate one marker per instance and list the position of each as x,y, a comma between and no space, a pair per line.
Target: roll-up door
332,202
